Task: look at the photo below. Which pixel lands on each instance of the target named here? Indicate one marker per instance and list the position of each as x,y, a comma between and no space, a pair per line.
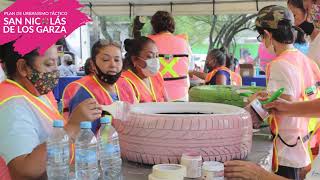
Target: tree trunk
104,30
213,26
233,26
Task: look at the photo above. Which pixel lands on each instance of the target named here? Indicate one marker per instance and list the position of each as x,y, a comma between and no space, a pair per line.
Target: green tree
203,31
232,26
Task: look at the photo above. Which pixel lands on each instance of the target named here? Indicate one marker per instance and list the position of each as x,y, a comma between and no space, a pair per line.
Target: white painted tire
222,133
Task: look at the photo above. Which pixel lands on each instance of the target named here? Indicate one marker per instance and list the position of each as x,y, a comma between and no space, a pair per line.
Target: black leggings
289,172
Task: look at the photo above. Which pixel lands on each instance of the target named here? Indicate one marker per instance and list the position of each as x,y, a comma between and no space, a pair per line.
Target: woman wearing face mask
27,109
106,84
142,64
293,71
301,20
249,170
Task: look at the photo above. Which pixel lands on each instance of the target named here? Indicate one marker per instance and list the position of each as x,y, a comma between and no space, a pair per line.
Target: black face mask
69,63
307,27
107,78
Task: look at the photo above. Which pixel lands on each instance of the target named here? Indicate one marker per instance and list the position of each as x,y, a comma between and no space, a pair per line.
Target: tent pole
130,9
90,6
185,3
80,42
213,7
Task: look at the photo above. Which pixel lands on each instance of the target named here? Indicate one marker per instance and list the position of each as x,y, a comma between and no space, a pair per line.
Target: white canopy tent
177,7
149,7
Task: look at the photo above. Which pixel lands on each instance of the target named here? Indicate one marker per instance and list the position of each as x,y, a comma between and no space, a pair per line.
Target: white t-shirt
280,73
314,51
22,128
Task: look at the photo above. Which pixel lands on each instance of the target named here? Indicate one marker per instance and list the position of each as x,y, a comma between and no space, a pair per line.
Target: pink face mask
315,15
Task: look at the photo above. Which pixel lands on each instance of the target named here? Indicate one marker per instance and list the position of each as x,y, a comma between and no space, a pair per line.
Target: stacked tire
157,133
221,94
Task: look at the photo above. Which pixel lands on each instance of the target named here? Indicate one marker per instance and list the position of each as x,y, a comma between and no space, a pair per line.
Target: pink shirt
293,71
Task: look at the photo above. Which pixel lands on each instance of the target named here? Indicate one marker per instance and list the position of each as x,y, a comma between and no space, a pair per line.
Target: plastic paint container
212,170
192,162
168,172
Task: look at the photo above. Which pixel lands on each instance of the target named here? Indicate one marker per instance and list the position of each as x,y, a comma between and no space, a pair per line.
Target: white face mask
152,67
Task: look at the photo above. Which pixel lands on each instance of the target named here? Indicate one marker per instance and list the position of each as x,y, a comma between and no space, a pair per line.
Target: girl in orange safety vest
27,110
142,70
218,74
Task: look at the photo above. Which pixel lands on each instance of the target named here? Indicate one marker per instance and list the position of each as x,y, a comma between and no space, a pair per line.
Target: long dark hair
300,38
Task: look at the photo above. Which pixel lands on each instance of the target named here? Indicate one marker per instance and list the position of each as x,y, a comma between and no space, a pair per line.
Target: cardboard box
247,70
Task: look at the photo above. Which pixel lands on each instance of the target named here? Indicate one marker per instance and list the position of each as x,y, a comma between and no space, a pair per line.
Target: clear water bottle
86,165
109,151
58,153
257,70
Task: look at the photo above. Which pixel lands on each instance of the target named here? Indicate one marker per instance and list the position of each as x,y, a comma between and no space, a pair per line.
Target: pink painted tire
220,133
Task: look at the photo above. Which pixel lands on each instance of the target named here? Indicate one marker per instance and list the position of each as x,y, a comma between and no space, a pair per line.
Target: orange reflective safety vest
235,78
237,69
145,94
11,90
69,91
296,129
174,60
124,89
